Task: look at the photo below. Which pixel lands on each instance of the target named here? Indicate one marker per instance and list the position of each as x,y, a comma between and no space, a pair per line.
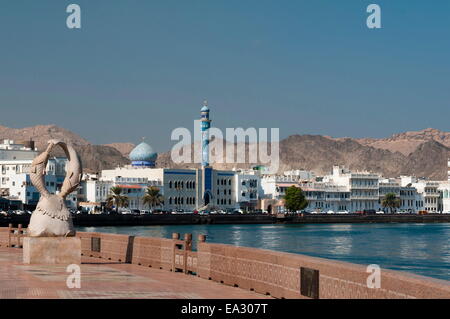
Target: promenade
103,279
124,266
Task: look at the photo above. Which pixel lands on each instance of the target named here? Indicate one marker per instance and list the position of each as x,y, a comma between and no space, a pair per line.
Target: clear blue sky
142,68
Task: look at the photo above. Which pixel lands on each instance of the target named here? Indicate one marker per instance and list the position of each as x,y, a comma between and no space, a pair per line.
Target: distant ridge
94,157
422,153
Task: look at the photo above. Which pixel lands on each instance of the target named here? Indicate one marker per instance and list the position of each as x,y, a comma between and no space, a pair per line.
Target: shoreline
191,219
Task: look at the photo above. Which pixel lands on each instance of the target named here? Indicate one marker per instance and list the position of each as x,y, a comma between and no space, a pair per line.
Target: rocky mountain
93,157
320,153
423,153
408,142
123,148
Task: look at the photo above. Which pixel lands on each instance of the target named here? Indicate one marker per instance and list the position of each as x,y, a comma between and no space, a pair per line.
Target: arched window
170,200
170,184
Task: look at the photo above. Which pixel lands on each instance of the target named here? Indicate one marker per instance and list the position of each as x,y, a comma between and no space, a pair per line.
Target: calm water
423,249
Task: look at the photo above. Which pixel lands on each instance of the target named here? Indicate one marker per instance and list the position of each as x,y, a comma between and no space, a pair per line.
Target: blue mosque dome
143,155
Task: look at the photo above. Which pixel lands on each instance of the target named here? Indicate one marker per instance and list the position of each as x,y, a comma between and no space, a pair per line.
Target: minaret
205,125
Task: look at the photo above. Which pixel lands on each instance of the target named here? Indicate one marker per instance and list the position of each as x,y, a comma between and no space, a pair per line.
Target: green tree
152,197
116,198
295,199
390,201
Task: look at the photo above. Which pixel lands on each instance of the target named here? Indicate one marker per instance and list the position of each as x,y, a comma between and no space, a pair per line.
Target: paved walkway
105,280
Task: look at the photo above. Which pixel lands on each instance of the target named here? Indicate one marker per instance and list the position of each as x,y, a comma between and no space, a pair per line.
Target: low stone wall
12,236
169,254
153,252
108,246
280,275
4,236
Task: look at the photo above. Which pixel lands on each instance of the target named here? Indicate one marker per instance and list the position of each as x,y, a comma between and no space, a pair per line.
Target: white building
248,187
300,174
363,187
429,194
323,197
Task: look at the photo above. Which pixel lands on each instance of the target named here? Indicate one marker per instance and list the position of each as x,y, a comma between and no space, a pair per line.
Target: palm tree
390,201
116,198
152,197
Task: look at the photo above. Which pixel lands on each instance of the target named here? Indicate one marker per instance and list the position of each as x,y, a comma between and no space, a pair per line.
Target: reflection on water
420,248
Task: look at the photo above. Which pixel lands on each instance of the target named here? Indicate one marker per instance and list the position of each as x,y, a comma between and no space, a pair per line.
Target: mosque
183,189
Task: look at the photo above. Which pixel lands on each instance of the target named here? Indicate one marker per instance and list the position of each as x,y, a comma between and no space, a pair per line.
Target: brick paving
101,279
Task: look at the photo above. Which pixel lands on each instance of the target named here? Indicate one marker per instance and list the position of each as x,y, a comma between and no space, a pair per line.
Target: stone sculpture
51,217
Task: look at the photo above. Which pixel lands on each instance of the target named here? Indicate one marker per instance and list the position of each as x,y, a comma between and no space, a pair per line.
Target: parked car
330,212
380,212
341,212
126,212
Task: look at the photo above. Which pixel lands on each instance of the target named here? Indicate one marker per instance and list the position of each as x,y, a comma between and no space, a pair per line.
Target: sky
143,68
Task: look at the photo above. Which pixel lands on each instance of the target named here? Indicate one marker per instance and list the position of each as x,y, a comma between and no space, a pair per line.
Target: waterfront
422,249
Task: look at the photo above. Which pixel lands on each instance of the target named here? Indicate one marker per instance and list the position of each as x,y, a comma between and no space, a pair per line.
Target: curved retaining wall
281,275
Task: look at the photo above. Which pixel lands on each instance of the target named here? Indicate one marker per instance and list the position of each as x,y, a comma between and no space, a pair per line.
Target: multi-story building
325,197
430,195
363,187
247,189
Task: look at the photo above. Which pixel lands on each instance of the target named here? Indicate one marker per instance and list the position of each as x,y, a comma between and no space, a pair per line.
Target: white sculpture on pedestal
51,217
